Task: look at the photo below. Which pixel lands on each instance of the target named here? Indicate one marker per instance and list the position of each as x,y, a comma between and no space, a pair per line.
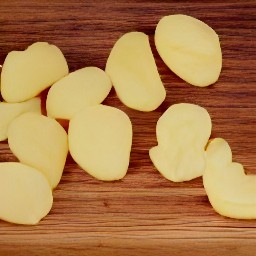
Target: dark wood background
143,214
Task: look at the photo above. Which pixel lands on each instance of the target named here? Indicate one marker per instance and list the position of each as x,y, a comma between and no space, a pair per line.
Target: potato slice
27,73
9,111
182,134
230,191
40,142
84,87
133,71
190,48
25,194
100,139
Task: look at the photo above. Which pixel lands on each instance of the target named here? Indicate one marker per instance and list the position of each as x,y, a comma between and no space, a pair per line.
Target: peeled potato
40,142
9,111
100,139
230,191
85,87
27,73
25,195
182,134
133,71
190,48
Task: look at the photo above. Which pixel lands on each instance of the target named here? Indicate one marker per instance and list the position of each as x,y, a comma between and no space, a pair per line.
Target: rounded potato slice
84,87
40,142
25,194
100,139
133,71
190,48
27,73
230,191
182,134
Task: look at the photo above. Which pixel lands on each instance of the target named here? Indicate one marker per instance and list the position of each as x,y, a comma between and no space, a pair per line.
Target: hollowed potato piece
230,191
182,134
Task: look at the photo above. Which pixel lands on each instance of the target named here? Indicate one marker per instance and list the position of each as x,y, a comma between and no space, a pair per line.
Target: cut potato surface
25,194
182,134
85,87
100,139
230,191
40,142
190,48
9,111
133,71
27,73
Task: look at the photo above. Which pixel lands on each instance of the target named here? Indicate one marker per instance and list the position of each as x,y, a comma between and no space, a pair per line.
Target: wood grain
143,214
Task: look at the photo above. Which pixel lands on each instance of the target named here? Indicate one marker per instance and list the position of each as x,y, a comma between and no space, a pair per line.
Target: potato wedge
133,71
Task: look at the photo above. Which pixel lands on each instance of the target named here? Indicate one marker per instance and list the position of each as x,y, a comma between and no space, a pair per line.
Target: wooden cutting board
143,214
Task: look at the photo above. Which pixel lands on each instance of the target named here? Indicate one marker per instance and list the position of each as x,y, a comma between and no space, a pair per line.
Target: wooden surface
143,214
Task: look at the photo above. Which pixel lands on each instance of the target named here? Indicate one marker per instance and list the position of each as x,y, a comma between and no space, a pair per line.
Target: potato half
85,87
100,139
25,194
190,48
9,111
27,73
40,142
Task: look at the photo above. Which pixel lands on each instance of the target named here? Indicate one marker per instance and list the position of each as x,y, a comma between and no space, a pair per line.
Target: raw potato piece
84,87
27,73
40,142
100,139
133,71
190,48
25,194
9,111
230,191
182,134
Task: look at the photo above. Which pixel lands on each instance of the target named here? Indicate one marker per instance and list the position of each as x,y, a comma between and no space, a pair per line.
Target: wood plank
143,214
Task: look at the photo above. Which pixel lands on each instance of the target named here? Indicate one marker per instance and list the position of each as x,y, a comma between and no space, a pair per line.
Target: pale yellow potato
40,142
182,134
25,194
84,87
100,139
190,48
133,71
230,191
9,111
27,73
